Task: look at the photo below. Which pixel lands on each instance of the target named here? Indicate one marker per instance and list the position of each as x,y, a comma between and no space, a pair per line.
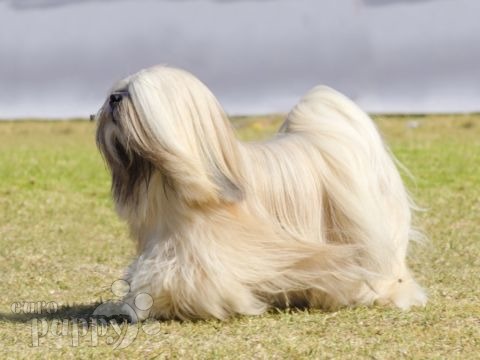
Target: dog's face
127,165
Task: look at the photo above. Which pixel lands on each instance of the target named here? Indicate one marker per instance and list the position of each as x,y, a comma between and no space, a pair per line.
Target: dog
317,216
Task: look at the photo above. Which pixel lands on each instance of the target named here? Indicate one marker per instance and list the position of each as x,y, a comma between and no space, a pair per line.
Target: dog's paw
402,293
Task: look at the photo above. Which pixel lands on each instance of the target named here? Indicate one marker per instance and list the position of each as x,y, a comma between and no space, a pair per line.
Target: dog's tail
366,204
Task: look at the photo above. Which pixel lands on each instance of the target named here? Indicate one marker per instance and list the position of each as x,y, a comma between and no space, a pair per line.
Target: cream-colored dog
317,216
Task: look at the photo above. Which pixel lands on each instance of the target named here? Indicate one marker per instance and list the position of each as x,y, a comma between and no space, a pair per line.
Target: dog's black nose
115,98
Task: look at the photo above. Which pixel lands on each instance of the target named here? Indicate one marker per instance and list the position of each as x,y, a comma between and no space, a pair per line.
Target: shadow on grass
75,311
88,312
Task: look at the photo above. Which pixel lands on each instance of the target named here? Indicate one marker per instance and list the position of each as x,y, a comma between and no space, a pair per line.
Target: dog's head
163,121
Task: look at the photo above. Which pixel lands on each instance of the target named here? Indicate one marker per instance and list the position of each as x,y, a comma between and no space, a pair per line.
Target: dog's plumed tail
364,200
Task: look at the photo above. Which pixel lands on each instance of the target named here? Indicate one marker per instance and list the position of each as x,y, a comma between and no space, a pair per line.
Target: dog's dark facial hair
128,174
127,166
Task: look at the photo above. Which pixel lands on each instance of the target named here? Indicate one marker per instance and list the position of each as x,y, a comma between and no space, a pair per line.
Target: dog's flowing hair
317,216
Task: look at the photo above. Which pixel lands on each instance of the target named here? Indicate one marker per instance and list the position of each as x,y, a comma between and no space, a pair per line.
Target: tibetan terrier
318,216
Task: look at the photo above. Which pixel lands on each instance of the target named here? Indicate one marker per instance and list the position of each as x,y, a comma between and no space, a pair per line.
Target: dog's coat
316,216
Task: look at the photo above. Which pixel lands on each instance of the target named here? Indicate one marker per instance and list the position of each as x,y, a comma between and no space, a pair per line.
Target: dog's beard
129,174
130,170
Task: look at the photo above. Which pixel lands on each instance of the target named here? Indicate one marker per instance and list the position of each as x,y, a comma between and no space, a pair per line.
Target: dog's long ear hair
166,120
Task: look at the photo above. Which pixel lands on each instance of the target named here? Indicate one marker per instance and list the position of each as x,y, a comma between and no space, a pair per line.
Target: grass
61,242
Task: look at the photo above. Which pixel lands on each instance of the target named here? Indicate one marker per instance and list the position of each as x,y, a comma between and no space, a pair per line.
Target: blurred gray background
58,58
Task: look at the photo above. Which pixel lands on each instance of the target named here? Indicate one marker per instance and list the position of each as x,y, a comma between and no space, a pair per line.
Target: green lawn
60,242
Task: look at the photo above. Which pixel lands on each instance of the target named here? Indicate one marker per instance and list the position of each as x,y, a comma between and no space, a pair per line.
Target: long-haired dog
317,216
